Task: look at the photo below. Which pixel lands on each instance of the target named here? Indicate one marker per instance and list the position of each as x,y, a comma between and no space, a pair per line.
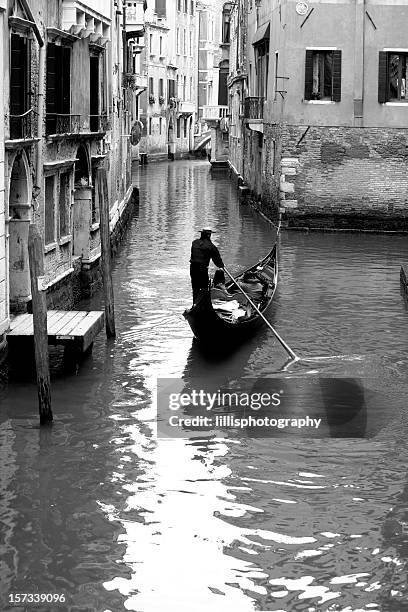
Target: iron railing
254,108
22,126
62,123
98,123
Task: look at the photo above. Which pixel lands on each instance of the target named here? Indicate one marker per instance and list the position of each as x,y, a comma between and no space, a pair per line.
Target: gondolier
202,252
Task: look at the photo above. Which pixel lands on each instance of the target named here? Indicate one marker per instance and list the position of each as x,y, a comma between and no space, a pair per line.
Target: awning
261,34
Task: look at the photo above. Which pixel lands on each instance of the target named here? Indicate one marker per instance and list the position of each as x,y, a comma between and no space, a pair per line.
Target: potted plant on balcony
161,99
173,102
151,99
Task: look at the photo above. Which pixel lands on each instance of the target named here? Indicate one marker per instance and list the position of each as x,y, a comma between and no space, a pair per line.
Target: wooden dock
76,329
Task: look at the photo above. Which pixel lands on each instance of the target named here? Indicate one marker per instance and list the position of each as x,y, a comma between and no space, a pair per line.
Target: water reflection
99,508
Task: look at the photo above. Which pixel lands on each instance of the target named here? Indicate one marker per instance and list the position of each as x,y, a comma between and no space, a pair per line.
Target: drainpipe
359,43
40,116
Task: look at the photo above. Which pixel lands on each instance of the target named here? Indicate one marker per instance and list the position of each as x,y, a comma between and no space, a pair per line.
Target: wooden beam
38,294
101,197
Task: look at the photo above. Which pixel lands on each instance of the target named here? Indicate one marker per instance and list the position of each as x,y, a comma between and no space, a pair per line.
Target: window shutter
382,77
66,80
308,75
336,76
51,78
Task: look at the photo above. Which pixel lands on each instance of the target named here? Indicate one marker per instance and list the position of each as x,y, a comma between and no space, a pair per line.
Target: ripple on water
208,523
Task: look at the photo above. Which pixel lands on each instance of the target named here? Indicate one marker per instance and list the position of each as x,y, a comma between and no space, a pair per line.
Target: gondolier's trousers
199,278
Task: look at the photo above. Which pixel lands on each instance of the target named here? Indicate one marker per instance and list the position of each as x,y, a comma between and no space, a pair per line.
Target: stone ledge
287,187
290,161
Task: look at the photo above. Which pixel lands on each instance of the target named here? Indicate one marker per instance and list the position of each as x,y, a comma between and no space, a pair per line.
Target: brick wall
341,177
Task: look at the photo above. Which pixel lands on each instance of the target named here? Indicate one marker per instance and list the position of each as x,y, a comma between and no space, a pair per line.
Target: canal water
101,511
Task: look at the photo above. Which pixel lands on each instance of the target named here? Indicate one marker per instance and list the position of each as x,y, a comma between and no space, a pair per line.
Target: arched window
222,83
226,19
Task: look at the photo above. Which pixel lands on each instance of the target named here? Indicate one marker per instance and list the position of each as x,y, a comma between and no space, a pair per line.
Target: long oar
283,343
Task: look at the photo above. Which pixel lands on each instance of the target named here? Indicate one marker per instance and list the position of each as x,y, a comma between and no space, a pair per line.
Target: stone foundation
343,178
86,279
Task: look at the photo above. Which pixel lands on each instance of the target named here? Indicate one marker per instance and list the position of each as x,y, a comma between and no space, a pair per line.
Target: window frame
50,241
384,77
316,57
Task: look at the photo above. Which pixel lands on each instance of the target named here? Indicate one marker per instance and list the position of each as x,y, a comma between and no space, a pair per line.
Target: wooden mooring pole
101,196
39,302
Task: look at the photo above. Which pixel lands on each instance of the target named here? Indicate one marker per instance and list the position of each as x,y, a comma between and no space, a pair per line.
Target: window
95,200
184,87
160,8
392,76
179,5
160,126
178,40
20,100
58,93
171,88
151,89
192,7
178,127
222,83
94,81
161,87
151,44
184,41
191,89
161,45
226,19
191,43
64,204
323,75
276,73
49,209
262,61
150,126
185,6
185,127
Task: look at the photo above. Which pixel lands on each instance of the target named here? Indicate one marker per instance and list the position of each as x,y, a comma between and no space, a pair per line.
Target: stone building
4,319
168,107
68,107
214,39
325,113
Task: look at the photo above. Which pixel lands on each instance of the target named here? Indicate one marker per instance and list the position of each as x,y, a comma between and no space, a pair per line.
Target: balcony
62,124
254,108
213,113
99,123
22,127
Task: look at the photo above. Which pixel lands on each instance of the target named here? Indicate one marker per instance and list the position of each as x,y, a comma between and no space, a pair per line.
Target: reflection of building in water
8,514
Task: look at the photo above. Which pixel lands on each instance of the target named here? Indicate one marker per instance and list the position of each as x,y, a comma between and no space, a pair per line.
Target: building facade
168,107
325,113
69,104
214,39
4,315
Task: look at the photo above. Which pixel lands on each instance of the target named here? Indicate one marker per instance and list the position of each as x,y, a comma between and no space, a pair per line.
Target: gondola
217,329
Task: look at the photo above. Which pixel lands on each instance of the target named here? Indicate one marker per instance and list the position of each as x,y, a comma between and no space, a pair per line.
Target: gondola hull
215,332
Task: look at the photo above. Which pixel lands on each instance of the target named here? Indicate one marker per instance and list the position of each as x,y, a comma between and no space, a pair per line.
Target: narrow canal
98,509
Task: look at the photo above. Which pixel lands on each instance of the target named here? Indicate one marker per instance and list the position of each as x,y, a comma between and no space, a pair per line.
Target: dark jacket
203,250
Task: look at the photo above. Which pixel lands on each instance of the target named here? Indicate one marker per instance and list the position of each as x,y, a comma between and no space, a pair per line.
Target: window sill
50,247
65,239
396,103
319,102
95,226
